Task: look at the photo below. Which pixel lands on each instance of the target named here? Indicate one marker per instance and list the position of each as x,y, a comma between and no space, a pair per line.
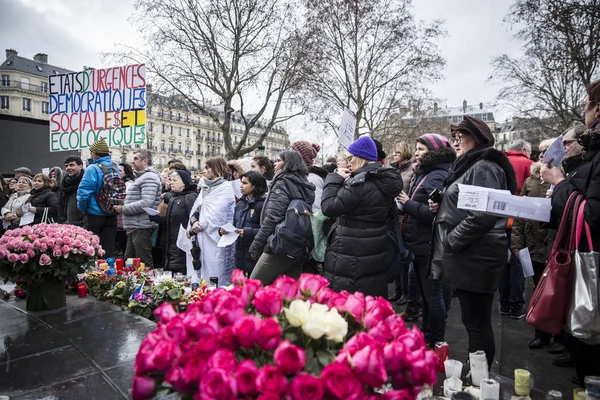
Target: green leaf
174,293
325,357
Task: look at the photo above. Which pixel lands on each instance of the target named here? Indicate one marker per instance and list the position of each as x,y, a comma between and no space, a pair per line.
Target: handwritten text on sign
101,103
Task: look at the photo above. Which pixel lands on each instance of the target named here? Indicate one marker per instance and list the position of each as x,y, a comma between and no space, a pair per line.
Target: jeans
139,245
414,302
512,287
434,309
270,266
105,227
476,310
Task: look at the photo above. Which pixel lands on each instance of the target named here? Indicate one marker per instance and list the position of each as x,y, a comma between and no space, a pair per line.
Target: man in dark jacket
68,213
361,200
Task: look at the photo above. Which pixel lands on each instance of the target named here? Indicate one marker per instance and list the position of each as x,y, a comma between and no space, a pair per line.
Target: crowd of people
378,224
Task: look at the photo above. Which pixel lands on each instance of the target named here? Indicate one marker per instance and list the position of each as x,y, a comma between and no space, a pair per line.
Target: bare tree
372,56
235,53
561,52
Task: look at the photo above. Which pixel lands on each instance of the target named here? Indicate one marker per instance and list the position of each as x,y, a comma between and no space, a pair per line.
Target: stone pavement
86,351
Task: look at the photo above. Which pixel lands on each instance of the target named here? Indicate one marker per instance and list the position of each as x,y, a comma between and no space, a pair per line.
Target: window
171,149
150,126
171,130
187,147
45,107
179,146
178,116
484,117
3,102
162,145
170,114
161,114
44,87
5,80
188,132
163,128
25,83
149,110
26,104
149,143
179,131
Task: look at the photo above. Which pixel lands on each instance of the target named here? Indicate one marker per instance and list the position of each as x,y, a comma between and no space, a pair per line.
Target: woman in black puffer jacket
361,200
433,157
43,198
470,248
183,195
290,182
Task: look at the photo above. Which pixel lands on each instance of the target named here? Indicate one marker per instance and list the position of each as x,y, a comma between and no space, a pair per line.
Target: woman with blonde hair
12,209
403,161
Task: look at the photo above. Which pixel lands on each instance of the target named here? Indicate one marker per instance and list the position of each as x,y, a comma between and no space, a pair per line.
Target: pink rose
268,301
413,339
165,312
217,384
227,338
310,284
143,388
90,251
223,359
3,253
176,329
44,247
397,395
176,377
355,306
31,253
269,334
23,257
377,310
194,368
251,286
65,249
369,367
202,328
423,368
324,295
270,379
239,293
238,277
229,309
163,355
268,396
246,329
395,357
289,359
356,342
45,259
246,376
340,383
13,258
287,286
337,300
306,387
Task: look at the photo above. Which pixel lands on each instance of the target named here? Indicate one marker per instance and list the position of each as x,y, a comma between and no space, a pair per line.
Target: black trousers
476,310
586,358
106,229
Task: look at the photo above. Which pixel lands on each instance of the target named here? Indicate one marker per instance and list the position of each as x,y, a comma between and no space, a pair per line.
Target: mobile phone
435,196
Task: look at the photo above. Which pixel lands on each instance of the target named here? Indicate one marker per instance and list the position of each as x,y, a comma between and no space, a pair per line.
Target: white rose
317,308
335,326
298,312
313,326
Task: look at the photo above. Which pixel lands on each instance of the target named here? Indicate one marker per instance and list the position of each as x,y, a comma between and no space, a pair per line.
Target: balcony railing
23,86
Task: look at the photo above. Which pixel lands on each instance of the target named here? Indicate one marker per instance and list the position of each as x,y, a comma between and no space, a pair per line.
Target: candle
490,389
119,264
100,262
579,394
479,367
522,378
136,263
441,351
82,290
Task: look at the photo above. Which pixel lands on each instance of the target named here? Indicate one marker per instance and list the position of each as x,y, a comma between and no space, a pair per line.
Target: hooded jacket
521,164
178,213
470,248
356,258
418,224
90,185
285,187
531,234
144,192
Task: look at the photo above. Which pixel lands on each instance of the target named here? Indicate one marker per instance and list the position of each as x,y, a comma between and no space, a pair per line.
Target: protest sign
346,131
98,103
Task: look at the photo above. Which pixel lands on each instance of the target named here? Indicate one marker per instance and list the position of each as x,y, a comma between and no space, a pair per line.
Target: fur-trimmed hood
432,159
320,171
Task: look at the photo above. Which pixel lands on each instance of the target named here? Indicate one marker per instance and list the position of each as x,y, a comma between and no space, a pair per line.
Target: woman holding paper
12,210
469,248
585,179
43,201
184,196
213,209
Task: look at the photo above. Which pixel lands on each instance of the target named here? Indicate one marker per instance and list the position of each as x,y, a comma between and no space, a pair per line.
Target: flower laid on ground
296,340
46,251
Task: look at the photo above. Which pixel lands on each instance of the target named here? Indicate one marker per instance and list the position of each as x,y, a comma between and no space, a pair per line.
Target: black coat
470,248
418,223
41,199
284,188
178,213
247,217
586,180
356,258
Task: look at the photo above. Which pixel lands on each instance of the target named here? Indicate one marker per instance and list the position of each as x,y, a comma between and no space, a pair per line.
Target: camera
196,262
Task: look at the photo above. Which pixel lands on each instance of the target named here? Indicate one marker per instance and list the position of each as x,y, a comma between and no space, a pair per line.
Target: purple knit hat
364,147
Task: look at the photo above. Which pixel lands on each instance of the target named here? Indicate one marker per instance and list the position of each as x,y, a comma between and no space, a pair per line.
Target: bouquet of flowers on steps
294,339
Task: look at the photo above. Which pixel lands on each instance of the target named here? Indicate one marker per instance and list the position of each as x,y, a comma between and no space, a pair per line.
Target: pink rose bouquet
294,340
46,251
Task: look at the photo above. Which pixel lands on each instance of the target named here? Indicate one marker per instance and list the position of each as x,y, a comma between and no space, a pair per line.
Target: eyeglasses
457,139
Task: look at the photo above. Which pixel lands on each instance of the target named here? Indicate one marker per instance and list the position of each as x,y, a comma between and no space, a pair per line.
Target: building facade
174,127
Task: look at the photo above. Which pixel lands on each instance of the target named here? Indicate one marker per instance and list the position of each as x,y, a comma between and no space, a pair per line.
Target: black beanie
185,177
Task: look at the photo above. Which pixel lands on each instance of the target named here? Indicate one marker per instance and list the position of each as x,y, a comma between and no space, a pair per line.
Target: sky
74,33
